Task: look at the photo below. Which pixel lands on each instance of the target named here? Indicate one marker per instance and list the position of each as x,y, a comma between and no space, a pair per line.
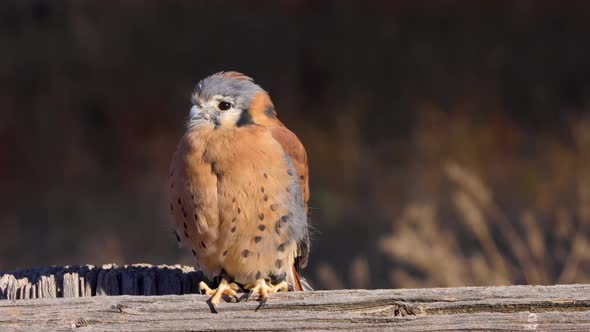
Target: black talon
246,296
262,304
212,306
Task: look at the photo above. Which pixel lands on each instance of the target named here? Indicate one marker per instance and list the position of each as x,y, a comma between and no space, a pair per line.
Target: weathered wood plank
533,308
541,308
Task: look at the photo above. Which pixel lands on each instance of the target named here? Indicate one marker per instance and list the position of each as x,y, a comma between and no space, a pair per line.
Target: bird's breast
252,202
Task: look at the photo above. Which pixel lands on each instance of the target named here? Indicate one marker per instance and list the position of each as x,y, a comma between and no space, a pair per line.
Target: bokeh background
449,141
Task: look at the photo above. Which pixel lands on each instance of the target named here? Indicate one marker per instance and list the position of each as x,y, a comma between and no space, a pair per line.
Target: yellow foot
263,289
224,288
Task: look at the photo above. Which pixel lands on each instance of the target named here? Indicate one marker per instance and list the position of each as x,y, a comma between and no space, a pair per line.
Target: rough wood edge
108,279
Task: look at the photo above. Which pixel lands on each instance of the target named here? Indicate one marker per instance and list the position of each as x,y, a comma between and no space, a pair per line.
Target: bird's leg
263,289
224,288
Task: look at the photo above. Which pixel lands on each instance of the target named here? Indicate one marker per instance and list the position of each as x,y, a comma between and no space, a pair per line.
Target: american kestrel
239,190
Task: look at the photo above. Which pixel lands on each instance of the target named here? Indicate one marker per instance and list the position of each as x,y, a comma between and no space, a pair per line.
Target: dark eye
224,105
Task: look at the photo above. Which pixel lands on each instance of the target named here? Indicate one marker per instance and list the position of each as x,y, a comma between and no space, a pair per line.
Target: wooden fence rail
506,308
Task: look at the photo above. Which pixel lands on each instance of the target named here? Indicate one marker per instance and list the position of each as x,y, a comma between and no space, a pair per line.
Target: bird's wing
296,151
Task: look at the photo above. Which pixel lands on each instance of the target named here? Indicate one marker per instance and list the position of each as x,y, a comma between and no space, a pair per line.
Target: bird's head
230,100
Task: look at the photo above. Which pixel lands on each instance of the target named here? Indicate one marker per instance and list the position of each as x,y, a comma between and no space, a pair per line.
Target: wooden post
87,280
525,308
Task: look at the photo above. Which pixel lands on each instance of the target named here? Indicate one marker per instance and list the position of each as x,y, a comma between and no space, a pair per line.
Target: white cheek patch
229,118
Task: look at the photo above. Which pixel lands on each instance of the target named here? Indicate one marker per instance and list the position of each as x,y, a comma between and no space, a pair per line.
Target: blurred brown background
449,141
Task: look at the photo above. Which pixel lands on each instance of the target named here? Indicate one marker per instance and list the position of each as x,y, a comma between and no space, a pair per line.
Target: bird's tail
299,283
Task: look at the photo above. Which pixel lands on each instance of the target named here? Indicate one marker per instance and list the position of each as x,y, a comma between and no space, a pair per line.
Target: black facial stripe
245,119
270,111
216,122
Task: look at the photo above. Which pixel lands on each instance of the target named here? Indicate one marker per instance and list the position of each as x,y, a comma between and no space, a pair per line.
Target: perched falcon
239,190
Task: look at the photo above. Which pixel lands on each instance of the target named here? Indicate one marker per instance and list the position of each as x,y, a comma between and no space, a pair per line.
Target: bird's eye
224,105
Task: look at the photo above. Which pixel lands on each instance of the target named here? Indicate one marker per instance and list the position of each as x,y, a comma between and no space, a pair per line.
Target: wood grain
507,308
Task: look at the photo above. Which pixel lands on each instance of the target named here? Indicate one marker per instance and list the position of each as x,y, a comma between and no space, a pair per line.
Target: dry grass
421,240
504,219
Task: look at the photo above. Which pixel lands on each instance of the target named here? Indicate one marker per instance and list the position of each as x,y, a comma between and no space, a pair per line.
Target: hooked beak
197,114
